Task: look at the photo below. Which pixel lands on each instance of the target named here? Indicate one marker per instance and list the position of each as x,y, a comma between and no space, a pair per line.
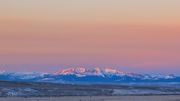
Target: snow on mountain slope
77,70
91,71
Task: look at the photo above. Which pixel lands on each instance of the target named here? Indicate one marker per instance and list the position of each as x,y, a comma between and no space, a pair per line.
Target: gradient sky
48,35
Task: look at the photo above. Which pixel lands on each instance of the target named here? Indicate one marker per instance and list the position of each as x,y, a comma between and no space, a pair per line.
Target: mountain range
81,75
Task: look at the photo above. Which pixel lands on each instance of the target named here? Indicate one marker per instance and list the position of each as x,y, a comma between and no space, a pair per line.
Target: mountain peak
90,71
76,70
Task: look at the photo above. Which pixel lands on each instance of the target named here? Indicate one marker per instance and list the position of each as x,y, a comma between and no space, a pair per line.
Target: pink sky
132,35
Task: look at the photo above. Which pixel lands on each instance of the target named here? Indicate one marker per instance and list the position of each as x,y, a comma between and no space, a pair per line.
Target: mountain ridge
83,75
90,71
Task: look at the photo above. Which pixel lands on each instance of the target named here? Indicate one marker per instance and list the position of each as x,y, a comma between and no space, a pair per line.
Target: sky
49,35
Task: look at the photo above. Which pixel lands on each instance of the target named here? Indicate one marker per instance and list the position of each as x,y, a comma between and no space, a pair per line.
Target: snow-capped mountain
80,71
89,75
